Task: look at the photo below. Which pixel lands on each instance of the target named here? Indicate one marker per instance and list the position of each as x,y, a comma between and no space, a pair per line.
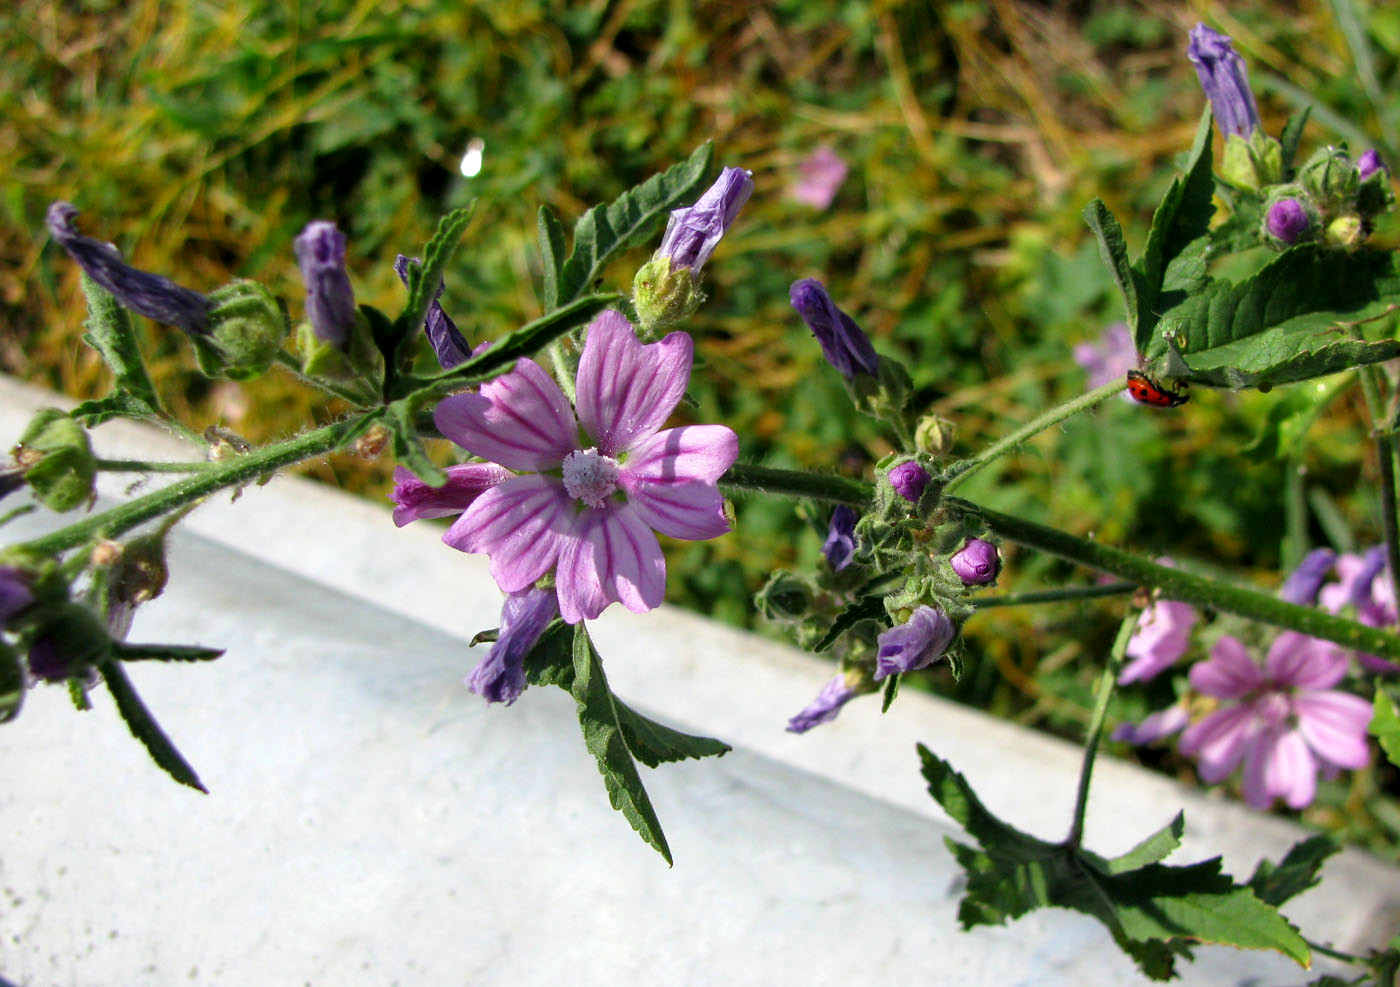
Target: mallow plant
568,467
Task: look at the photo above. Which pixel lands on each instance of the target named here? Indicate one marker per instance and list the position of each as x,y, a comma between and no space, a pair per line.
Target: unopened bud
244,332
58,460
935,435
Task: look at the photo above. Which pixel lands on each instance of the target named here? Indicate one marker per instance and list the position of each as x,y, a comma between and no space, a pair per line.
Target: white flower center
590,476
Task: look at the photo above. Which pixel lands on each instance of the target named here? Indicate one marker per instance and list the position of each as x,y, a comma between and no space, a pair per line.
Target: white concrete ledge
372,822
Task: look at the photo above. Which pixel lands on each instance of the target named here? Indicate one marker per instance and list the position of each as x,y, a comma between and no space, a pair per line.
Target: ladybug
1144,390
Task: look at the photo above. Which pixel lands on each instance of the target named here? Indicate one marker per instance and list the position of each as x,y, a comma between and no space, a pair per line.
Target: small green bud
664,295
1331,178
886,395
785,597
358,364
1268,157
245,330
1345,231
934,435
1374,196
57,460
1238,167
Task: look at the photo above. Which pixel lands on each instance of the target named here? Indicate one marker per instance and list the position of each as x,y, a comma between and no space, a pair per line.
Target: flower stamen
590,477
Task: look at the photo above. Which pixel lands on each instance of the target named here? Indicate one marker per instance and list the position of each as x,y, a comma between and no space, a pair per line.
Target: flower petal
1279,765
1229,673
694,511
1218,742
1304,662
1334,725
520,420
415,500
627,389
521,524
824,708
692,452
610,555
500,678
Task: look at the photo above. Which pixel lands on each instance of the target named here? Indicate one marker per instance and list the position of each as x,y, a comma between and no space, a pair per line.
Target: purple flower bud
909,480
1369,163
913,645
1302,585
415,500
977,563
500,678
1287,220
16,592
844,344
824,708
1223,78
146,294
840,545
330,301
448,343
692,233
46,660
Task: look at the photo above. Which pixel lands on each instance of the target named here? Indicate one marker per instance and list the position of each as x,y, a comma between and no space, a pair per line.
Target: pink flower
1364,583
414,500
1112,356
1284,720
588,508
1162,636
819,176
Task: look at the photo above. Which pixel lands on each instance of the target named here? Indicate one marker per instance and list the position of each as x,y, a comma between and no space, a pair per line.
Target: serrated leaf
604,740
110,333
1295,873
866,607
552,248
118,404
653,743
1286,323
606,229
1151,850
423,279
1182,217
551,660
1385,727
1154,912
1114,252
1291,136
144,727
163,652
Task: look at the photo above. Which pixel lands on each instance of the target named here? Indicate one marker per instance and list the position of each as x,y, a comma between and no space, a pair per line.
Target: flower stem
1174,584
1054,416
219,475
1108,680
1054,595
750,478
150,466
1385,457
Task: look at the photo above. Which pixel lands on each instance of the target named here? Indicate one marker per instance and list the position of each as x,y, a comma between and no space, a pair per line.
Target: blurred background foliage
200,137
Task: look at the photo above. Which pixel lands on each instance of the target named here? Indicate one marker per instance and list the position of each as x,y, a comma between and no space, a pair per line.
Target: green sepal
1290,138
1155,913
244,333
605,230
866,608
111,334
604,738
78,635
359,366
143,727
663,296
57,456
12,683
552,247
891,690
401,417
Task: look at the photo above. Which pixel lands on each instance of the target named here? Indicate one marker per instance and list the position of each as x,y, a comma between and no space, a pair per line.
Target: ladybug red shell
1145,390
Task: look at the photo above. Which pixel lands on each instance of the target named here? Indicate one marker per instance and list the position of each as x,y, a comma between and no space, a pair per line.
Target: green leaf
109,331
1183,217
652,743
1285,428
551,660
1114,252
1154,912
144,727
552,248
163,652
604,739
1385,727
401,417
606,229
1292,135
1288,322
423,279
118,404
1298,871
891,690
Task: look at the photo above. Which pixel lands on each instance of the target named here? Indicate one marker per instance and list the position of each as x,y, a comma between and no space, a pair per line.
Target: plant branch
1061,595
750,478
1108,680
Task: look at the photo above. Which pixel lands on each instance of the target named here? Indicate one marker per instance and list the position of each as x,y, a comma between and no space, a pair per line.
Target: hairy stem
1174,584
1108,680
1061,595
749,478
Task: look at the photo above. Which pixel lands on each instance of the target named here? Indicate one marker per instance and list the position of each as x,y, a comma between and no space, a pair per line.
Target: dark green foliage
1155,913
143,726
